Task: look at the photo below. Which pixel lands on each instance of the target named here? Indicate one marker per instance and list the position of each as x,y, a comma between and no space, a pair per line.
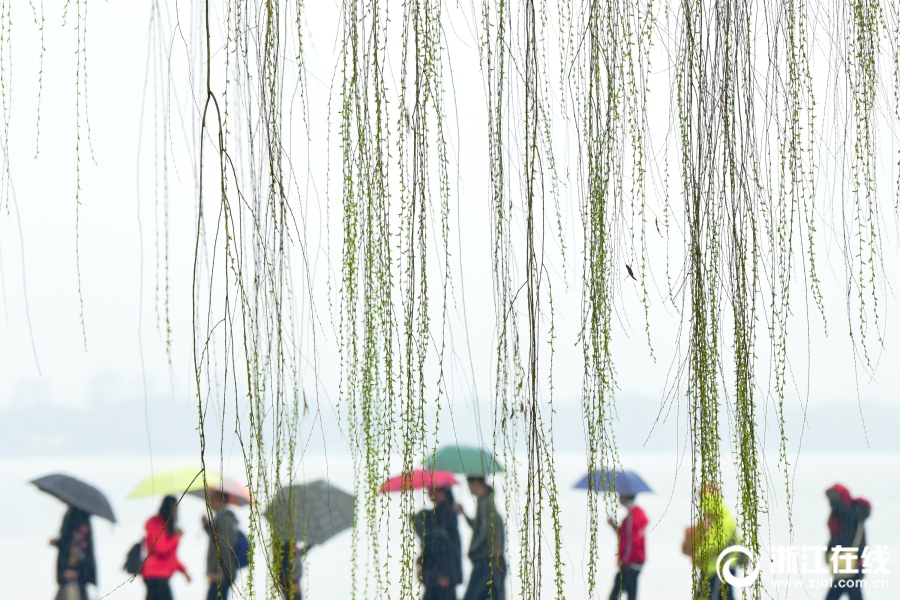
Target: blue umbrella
621,482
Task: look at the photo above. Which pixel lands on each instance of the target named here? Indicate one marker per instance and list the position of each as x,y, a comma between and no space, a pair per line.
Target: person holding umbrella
632,552
161,542
75,564
440,565
630,531
302,516
486,550
441,559
225,541
221,560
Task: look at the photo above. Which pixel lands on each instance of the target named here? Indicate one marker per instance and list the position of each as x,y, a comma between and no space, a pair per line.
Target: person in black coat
441,560
290,571
846,529
75,565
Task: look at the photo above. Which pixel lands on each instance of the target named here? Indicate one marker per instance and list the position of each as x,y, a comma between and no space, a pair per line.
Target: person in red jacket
161,545
631,549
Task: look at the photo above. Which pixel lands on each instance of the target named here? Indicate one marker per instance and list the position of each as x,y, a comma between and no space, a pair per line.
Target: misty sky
120,355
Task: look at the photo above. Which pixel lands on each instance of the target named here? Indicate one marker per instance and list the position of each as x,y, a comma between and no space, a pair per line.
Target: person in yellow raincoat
714,531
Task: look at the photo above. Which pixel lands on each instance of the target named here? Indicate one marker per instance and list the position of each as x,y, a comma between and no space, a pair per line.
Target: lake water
31,518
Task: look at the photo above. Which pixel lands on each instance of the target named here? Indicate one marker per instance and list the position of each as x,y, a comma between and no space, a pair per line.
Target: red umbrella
418,479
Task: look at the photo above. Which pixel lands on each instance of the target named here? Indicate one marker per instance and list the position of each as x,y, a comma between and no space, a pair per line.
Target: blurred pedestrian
75,565
161,542
847,542
221,560
486,550
291,569
632,552
714,531
441,560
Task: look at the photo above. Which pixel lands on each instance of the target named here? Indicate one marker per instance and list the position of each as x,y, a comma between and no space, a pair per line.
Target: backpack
134,560
242,550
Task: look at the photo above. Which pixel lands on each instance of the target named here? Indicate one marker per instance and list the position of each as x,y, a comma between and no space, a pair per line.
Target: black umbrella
314,512
76,493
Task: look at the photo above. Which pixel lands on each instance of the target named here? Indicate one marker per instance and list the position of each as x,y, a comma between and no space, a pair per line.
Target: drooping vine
514,39
368,378
81,114
716,88
788,217
247,332
613,45
423,176
753,217
39,22
862,24
5,93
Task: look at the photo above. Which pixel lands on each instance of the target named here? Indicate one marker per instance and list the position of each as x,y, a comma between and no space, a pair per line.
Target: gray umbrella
314,512
77,493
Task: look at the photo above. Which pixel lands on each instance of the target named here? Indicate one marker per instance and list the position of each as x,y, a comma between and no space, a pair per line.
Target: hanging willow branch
612,47
751,153
386,299
861,29
246,345
367,322
716,93
514,41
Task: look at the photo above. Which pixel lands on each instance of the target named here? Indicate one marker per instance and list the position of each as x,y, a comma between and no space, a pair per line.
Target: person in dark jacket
846,529
75,565
290,571
161,543
441,560
221,560
632,551
486,550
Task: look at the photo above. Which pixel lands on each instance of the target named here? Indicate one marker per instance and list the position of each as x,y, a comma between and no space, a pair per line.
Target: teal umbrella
467,460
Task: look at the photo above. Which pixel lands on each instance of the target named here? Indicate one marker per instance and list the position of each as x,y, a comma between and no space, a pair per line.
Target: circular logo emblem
727,561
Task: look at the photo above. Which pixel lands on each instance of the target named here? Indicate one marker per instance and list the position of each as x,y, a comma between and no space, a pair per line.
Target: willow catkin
613,51
750,205
715,96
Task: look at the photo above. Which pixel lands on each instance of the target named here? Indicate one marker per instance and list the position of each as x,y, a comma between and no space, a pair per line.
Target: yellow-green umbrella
176,481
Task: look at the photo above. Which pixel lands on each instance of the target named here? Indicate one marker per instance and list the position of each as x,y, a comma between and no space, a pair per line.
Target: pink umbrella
418,479
237,493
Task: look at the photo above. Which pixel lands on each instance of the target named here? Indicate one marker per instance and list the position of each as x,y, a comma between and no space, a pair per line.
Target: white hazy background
110,406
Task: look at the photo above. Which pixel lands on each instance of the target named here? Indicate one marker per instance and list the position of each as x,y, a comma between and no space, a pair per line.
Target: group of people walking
158,563
440,564
716,530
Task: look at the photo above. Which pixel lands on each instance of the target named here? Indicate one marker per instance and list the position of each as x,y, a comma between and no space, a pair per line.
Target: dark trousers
220,589
158,589
719,590
487,582
850,588
64,593
625,583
